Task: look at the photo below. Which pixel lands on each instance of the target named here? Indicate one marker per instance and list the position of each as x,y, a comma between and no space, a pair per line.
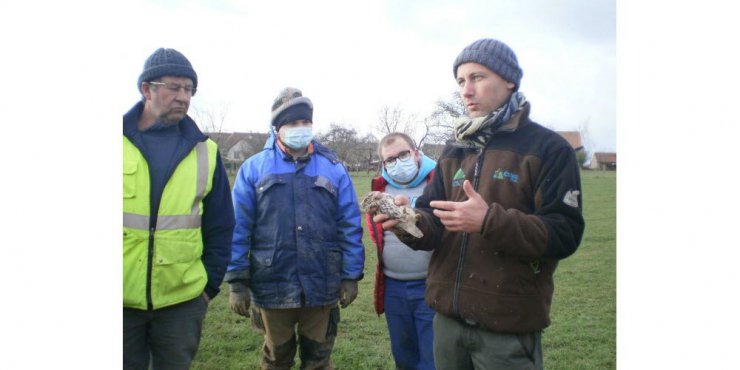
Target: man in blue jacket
297,243
177,219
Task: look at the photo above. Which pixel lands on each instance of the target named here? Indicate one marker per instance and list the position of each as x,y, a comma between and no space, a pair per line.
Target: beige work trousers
316,328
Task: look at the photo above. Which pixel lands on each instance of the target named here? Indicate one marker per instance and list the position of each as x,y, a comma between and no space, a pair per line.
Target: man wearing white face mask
297,246
400,276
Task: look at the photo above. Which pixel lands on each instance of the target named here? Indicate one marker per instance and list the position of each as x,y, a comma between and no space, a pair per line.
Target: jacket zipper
179,156
464,246
181,153
149,270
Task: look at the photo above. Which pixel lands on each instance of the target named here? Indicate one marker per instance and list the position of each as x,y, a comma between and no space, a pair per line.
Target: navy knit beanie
495,55
167,62
290,105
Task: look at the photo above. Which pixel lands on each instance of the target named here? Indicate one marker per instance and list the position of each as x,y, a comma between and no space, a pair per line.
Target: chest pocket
322,183
129,178
268,186
323,197
323,203
274,204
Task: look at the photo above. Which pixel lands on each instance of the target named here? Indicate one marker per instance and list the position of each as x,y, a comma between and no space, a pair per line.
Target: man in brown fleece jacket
503,208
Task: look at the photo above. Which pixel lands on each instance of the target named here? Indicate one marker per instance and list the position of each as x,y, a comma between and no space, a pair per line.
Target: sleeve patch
571,198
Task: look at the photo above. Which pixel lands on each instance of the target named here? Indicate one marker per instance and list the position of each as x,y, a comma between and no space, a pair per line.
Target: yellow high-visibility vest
177,272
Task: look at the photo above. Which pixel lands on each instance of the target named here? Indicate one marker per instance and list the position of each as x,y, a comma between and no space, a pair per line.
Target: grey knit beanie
167,62
290,105
495,55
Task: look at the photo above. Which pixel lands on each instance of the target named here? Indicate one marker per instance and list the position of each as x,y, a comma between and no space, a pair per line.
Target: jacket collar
187,126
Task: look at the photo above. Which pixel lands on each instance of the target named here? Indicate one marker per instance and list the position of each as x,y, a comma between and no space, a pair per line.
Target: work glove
239,298
347,292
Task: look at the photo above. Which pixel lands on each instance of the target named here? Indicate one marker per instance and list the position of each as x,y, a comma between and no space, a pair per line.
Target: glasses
391,161
175,88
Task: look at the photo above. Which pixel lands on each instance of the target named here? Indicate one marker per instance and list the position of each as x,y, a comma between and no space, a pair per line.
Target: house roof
227,140
433,147
602,157
573,138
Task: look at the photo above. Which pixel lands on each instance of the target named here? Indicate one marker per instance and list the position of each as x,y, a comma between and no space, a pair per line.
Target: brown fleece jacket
502,277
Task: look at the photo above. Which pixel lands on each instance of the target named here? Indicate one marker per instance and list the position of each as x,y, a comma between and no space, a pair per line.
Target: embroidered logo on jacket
500,174
459,177
571,198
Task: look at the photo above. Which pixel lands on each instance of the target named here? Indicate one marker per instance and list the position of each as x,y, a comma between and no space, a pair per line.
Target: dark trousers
409,324
167,337
460,346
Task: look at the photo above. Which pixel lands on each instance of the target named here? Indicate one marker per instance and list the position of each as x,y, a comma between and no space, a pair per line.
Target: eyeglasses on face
404,156
175,88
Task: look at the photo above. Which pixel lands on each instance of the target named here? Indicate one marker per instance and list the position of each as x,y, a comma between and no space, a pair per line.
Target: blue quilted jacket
298,228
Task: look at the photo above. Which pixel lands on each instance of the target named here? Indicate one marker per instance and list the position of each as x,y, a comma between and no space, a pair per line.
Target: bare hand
401,200
466,216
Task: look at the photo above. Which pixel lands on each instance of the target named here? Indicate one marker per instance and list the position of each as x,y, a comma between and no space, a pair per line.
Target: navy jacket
298,231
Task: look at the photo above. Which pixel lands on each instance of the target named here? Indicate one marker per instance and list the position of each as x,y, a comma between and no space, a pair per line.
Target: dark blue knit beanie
290,105
495,55
167,62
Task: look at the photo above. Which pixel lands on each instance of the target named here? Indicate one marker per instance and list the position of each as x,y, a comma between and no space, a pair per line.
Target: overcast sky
352,58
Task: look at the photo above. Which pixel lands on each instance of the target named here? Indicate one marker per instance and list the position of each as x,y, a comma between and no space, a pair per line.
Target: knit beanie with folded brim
167,62
290,105
495,55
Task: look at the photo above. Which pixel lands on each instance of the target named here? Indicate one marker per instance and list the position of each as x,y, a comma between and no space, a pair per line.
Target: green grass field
582,334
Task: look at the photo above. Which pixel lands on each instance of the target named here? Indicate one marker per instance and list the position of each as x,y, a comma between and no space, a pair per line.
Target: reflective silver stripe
175,222
135,221
201,150
141,222
178,222
192,220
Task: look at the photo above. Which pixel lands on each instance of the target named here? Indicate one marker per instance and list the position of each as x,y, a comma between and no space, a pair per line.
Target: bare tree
440,124
450,109
394,119
211,121
389,118
340,138
367,152
356,153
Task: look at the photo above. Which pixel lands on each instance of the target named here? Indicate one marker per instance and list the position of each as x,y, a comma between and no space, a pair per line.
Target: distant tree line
358,153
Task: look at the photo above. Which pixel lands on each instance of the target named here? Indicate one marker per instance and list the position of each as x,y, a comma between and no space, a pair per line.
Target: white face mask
404,171
297,137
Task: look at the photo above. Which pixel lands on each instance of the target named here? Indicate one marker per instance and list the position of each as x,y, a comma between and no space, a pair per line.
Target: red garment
376,235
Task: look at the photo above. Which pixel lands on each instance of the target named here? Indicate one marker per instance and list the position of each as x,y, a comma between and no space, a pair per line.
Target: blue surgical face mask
404,171
297,137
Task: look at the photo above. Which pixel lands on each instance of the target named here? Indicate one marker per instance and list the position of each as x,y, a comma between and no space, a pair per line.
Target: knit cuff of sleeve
236,275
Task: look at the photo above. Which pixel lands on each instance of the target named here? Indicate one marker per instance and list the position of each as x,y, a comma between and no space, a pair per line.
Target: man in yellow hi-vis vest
178,219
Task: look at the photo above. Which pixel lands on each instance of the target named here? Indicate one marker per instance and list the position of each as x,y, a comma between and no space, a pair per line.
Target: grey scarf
477,131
